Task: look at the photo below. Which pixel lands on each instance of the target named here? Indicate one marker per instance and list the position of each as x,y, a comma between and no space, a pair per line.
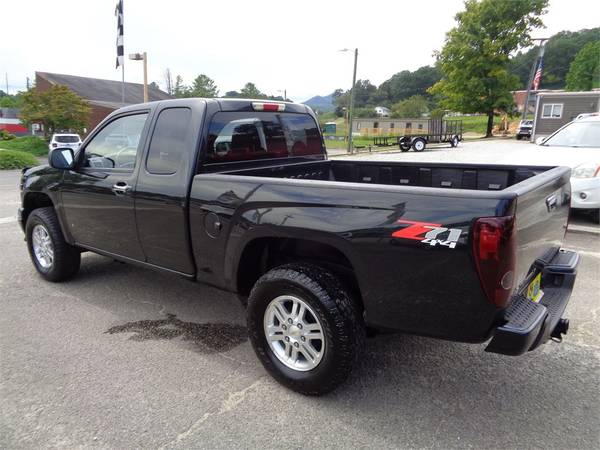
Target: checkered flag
119,14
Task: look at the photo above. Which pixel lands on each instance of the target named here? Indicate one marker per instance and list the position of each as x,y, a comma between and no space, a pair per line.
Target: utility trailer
438,131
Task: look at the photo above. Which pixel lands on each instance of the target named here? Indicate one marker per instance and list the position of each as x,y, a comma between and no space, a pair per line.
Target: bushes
11,159
6,136
30,144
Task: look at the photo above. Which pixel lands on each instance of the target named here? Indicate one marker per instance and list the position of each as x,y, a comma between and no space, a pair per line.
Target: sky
276,45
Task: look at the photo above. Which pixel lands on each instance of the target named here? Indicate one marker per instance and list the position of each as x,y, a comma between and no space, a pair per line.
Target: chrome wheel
42,246
294,333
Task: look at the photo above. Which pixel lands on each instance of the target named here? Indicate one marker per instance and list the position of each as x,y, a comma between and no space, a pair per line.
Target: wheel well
34,200
262,254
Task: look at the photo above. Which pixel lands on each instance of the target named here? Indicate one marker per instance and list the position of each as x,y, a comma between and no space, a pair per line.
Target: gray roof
104,92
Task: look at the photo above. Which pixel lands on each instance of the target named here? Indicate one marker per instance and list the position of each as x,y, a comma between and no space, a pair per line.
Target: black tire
66,258
343,326
519,137
404,146
454,141
419,144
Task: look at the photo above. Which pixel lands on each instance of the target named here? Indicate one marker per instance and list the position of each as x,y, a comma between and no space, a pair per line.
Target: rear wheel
418,145
454,141
519,137
305,328
52,256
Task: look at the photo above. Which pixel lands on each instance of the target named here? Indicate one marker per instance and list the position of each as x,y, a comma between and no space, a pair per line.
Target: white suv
65,140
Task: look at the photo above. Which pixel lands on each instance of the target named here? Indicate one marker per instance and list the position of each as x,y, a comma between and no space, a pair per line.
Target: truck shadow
206,337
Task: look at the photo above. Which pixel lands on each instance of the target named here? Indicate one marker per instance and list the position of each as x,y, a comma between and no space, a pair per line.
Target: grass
30,144
13,159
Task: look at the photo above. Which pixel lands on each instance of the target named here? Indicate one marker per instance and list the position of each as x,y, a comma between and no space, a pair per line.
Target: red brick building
103,96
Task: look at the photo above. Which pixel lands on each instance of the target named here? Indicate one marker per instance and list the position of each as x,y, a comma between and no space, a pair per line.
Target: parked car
317,249
64,140
579,145
525,129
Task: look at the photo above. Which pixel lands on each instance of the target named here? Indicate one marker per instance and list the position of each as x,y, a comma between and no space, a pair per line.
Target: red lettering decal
414,230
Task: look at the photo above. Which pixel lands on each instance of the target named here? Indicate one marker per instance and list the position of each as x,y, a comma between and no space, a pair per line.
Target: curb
583,229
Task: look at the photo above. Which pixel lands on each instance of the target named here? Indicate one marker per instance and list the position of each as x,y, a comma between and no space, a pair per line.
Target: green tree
412,107
180,90
57,109
251,91
203,86
584,73
474,59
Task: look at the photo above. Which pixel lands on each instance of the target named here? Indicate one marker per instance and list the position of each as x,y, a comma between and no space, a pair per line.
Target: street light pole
351,109
142,57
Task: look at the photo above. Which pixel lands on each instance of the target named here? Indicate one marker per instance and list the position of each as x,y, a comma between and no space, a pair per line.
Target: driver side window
116,145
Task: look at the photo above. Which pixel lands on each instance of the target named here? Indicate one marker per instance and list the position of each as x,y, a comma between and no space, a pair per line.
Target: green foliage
30,144
405,84
251,91
11,159
202,86
413,107
6,136
474,60
367,112
10,101
584,73
180,90
560,51
58,108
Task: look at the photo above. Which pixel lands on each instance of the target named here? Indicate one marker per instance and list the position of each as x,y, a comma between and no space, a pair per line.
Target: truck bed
439,175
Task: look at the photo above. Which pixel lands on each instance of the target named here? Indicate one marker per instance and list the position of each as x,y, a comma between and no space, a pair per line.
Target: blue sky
275,44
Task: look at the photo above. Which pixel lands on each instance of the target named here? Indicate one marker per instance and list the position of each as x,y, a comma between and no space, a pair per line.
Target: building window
376,125
552,111
420,126
392,125
408,125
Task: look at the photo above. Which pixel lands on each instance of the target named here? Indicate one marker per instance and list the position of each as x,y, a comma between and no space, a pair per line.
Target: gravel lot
123,357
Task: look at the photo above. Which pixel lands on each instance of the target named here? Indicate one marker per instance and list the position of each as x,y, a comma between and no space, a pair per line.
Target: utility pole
27,83
145,77
534,67
6,76
351,111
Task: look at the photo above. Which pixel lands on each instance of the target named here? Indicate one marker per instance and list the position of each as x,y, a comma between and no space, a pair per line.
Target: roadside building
384,126
10,122
103,96
555,109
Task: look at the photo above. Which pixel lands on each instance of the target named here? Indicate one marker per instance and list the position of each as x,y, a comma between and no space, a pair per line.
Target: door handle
121,188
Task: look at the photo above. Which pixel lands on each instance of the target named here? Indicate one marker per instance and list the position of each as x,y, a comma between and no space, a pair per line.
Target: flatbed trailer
438,131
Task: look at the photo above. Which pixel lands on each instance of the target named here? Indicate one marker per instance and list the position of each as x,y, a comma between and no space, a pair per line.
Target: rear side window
168,141
243,136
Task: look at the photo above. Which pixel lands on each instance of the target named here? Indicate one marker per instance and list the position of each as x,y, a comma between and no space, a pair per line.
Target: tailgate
542,215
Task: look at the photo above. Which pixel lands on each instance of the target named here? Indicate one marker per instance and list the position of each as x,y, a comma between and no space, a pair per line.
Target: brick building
103,96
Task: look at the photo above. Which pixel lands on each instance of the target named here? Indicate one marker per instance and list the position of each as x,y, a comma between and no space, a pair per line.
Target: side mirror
61,158
540,140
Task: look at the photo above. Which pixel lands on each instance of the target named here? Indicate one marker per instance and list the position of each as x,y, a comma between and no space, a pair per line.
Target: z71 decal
428,233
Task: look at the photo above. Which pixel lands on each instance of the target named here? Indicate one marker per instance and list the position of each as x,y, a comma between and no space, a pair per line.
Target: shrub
30,144
6,136
11,159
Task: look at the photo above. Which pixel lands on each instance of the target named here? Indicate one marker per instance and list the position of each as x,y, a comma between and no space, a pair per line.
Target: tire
404,146
454,141
65,259
419,144
325,297
519,137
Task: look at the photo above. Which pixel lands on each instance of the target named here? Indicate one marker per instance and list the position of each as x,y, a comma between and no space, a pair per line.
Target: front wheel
52,256
418,145
305,328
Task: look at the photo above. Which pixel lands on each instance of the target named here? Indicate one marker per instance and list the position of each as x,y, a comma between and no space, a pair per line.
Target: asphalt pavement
123,357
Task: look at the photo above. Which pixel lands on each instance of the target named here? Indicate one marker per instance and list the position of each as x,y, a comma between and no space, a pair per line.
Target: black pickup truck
240,194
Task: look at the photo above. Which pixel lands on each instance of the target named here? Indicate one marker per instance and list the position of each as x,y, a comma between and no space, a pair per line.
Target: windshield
66,139
576,134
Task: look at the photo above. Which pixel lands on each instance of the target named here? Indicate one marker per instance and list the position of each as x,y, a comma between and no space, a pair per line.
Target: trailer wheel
419,144
404,146
454,141
305,328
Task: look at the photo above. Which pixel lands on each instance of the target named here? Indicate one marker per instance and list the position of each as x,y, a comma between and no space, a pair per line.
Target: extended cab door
162,191
97,197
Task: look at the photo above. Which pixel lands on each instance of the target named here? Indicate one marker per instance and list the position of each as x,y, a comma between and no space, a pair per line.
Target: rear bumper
529,324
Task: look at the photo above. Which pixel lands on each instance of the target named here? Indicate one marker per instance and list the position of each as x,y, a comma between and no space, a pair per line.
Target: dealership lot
125,357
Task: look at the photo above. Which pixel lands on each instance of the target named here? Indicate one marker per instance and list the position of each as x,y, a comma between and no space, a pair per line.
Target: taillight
495,253
259,106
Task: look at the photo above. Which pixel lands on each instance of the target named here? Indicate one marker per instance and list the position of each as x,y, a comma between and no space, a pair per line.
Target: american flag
119,14
538,77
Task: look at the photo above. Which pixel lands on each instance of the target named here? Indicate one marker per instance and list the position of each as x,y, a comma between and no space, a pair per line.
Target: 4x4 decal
428,233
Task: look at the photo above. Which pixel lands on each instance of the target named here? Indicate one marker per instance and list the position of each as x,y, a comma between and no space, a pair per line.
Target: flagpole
534,68
123,59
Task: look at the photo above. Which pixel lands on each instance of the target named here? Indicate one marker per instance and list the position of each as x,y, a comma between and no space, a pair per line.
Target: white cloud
275,44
